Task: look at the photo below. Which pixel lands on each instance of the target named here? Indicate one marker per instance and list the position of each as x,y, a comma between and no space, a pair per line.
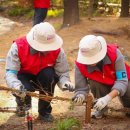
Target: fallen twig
40,96
124,109
8,109
114,33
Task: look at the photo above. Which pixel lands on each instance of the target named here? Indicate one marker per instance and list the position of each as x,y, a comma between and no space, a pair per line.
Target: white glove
79,99
21,93
102,102
69,86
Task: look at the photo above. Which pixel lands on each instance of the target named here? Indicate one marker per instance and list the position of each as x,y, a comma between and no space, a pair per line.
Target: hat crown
92,49
44,33
42,37
90,46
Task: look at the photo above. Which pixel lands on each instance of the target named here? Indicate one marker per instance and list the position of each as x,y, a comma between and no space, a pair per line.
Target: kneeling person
101,67
37,62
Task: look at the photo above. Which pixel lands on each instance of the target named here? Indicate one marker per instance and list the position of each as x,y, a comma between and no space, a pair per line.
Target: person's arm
121,83
114,93
12,67
62,69
81,87
81,84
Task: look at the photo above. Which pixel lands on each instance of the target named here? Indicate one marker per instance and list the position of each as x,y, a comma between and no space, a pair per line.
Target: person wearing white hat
37,62
101,69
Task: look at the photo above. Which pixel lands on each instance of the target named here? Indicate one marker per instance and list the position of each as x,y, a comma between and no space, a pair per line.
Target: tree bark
90,8
125,8
71,13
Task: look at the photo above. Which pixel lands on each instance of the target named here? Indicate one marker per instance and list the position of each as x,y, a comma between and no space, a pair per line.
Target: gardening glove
21,93
102,102
78,99
68,86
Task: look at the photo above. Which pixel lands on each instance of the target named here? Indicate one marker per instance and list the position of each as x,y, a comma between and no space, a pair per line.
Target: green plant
67,124
30,14
18,11
55,12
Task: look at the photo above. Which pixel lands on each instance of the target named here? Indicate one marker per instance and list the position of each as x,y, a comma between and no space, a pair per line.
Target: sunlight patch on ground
5,25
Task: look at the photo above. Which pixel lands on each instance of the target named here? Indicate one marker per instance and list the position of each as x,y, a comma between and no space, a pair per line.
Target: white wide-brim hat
42,37
92,49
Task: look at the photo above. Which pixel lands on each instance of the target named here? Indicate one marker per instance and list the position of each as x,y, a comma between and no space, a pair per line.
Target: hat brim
44,47
96,58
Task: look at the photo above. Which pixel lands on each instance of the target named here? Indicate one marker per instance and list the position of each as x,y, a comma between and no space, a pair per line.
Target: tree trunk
71,12
90,8
124,8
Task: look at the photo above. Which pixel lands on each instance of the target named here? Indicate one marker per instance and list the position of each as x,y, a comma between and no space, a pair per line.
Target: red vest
108,76
34,63
41,3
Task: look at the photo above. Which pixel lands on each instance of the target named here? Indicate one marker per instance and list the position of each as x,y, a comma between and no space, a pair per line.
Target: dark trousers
44,82
39,15
99,90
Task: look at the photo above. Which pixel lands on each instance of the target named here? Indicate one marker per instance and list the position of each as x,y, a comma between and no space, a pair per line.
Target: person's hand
79,99
102,102
68,86
21,93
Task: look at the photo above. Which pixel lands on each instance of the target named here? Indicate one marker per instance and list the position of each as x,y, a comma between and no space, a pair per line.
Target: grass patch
30,14
18,11
67,124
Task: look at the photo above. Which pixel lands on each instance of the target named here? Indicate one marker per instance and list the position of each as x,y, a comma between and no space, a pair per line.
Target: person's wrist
18,87
108,98
118,93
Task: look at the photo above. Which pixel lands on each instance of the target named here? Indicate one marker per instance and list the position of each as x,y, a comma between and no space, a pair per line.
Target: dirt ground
115,30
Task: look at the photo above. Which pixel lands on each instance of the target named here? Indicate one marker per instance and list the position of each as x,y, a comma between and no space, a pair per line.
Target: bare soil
115,30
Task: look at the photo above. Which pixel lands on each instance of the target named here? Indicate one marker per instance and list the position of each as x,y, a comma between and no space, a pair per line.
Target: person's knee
126,102
47,75
127,94
47,72
99,89
94,85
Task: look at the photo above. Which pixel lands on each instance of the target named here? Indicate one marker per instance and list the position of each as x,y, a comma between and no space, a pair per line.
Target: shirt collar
33,51
106,60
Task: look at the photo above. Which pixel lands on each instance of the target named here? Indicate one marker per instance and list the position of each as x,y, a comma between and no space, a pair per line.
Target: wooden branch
7,110
124,109
40,96
114,33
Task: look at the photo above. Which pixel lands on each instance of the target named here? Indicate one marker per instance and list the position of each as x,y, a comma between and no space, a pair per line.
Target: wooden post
89,99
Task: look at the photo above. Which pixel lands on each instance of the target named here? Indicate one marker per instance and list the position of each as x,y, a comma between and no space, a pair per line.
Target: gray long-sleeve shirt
81,85
13,65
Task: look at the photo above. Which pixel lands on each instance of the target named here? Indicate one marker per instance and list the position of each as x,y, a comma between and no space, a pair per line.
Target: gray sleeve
12,59
12,67
120,84
81,85
61,68
12,80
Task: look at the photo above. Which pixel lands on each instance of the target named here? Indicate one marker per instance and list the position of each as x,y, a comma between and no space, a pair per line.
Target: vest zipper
40,60
103,75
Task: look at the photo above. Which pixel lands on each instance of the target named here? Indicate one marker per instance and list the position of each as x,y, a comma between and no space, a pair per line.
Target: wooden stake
88,109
